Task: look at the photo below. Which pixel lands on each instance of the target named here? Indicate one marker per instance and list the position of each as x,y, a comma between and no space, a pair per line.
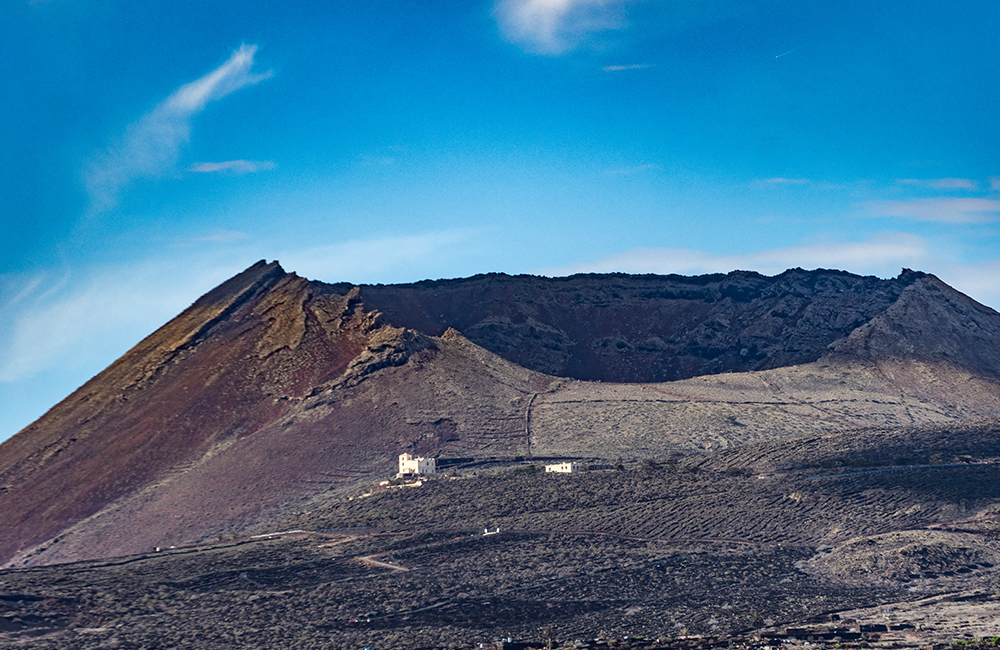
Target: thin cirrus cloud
940,183
942,210
218,236
151,146
64,319
625,68
555,26
882,255
232,167
390,259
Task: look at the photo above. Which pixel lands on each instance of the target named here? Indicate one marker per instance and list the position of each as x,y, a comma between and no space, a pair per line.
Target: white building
408,465
565,467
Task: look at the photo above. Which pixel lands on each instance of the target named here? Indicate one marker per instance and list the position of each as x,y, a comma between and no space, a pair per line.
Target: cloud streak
940,183
780,180
631,66
555,26
375,260
60,327
629,171
69,318
883,255
233,167
151,146
87,317
942,210
219,237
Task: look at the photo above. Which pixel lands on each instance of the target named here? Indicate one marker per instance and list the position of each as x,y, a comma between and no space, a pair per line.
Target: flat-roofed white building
408,465
565,468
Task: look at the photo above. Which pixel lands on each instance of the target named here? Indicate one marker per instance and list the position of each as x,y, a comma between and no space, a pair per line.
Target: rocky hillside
649,328
272,391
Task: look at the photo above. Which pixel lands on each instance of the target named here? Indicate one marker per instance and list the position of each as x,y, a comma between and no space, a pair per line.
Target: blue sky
153,149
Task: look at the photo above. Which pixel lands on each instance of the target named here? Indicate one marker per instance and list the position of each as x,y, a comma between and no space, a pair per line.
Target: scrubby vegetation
313,592
652,549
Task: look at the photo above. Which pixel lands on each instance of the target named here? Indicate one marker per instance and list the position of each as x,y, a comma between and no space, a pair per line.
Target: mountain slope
222,369
206,416
273,393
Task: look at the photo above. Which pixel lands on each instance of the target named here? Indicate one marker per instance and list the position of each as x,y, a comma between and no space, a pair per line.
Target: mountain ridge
273,390
633,328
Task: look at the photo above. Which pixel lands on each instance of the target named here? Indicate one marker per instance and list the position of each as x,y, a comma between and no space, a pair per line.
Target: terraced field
655,549
459,588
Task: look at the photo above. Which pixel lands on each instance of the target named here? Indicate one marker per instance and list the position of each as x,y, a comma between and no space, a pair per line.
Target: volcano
273,393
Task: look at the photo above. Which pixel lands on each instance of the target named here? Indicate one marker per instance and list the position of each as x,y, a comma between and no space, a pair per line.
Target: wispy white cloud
940,183
15,288
623,68
883,255
58,328
558,26
88,316
780,180
994,183
233,166
555,26
70,318
383,156
373,260
944,210
979,280
151,146
71,324
787,52
61,327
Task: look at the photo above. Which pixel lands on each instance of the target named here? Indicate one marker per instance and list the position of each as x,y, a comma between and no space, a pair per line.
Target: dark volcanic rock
645,328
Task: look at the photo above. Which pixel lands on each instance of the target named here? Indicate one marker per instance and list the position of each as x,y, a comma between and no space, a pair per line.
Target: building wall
564,467
410,465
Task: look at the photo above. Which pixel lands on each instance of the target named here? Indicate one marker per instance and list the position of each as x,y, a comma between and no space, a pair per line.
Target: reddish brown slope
224,368
252,399
449,396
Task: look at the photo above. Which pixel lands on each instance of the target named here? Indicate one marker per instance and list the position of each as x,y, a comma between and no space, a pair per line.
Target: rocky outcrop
388,346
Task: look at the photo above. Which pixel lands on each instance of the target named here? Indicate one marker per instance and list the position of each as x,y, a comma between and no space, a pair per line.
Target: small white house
565,468
408,465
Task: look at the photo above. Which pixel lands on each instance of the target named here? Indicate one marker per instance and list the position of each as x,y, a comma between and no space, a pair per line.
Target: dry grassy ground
719,411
